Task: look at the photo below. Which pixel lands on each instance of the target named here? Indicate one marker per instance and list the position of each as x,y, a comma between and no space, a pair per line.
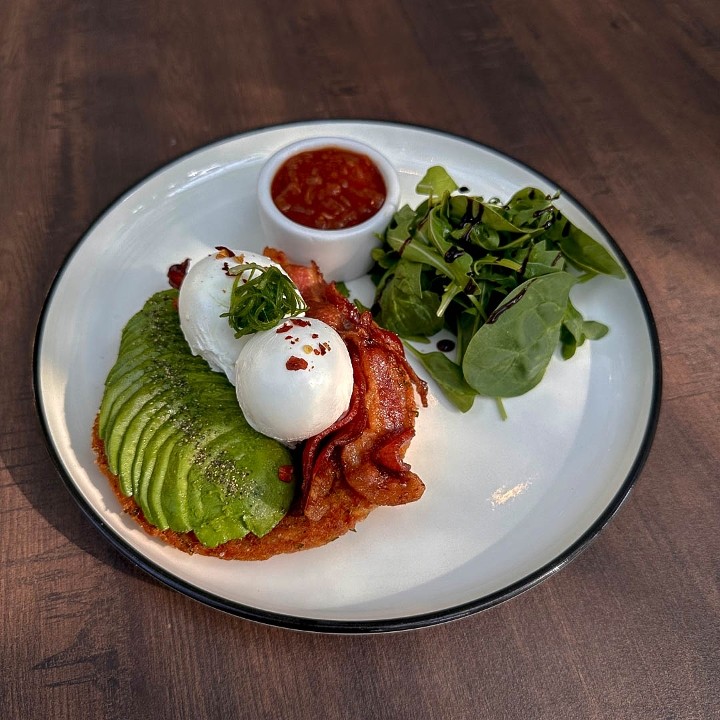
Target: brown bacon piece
366,447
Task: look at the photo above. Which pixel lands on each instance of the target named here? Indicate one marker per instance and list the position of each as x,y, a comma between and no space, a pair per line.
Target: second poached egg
204,296
294,381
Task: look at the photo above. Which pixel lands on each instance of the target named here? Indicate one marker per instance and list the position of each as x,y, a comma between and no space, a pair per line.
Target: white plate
507,503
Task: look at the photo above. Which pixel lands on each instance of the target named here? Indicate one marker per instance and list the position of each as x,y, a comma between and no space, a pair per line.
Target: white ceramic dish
507,503
342,254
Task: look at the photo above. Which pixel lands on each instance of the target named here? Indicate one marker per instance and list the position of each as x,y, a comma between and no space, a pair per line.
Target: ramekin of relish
329,188
325,199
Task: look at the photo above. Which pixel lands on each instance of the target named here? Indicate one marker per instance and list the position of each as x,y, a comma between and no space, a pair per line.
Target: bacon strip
366,447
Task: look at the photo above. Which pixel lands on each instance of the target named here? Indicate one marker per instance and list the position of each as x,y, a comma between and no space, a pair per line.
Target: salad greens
497,275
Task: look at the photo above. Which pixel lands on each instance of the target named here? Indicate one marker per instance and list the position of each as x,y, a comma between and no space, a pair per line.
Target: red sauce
176,273
285,473
328,188
296,363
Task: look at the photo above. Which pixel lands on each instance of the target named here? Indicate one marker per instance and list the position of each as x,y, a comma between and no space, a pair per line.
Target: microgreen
260,298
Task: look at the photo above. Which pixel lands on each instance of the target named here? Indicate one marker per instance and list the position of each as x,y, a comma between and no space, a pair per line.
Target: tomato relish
328,188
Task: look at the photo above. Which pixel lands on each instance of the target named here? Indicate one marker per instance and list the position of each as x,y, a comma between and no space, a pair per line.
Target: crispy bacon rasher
364,448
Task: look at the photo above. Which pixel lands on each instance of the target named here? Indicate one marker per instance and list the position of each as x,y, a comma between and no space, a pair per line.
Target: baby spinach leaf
573,320
571,333
493,218
402,225
587,254
436,228
542,261
407,309
436,182
499,261
448,376
465,325
568,343
575,330
484,236
360,305
530,208
462,210
595,330
509,354
417,250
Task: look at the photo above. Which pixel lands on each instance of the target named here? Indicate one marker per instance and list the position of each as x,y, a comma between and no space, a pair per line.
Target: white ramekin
340,254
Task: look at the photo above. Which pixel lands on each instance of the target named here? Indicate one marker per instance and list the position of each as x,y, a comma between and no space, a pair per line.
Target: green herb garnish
497,275
260,300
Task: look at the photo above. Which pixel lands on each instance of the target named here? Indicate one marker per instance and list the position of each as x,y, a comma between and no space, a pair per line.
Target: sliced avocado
178,441
156,369
132,443
263,490
118,433
192,452
173,494
153,509
151,452
236,483
221,529
156,420
196,471
116,393
136,354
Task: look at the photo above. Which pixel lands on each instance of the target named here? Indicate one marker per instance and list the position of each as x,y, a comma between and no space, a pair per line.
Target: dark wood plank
619,103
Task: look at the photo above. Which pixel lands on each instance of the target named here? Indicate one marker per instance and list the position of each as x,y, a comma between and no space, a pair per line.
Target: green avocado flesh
178,442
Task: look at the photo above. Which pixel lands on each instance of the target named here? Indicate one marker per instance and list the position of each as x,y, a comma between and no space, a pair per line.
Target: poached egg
292,381
204,296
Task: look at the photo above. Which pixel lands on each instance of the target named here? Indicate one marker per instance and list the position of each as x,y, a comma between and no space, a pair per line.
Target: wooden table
617,102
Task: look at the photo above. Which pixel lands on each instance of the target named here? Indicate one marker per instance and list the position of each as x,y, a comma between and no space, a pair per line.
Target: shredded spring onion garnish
262,299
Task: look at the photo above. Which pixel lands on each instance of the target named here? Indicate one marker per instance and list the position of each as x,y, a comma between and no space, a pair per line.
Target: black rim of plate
382,625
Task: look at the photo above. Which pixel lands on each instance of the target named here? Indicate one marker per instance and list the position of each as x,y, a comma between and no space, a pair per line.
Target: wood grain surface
619,102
